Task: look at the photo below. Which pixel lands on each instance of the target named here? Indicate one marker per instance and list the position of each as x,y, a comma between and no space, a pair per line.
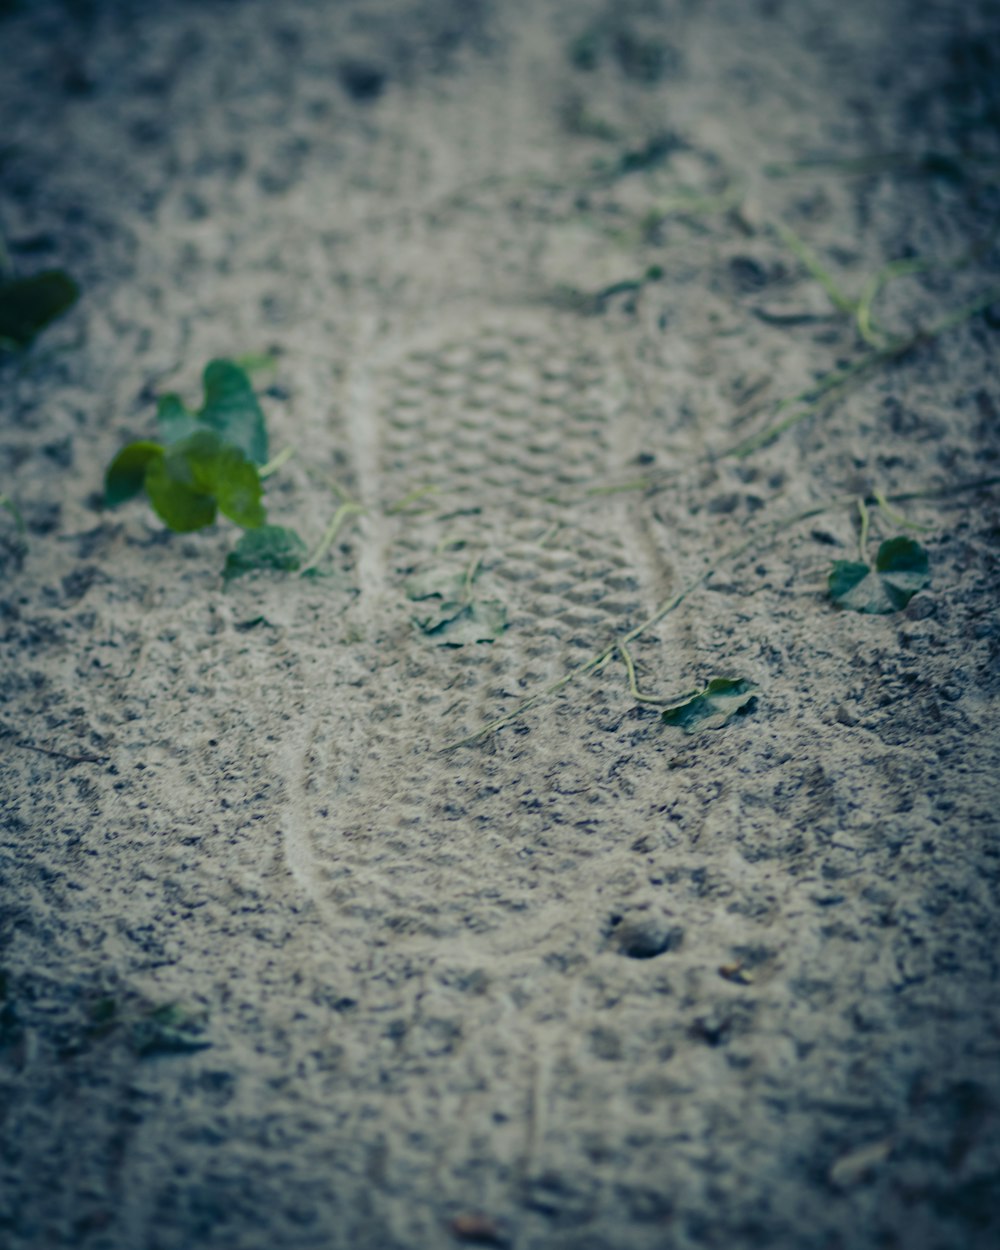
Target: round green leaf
236,485
127,472
176,486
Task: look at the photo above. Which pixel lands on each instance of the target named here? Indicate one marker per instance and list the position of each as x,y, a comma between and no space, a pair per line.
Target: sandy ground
587,983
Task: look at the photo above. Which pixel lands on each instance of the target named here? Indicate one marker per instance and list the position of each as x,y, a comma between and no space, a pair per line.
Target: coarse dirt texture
587,982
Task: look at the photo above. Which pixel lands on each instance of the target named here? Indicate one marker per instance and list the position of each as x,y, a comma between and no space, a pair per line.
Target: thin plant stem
274,465
419,493
342,514
633,685
863,530
873,287
770,533
838,299
470,577
807,402
897,518
813,396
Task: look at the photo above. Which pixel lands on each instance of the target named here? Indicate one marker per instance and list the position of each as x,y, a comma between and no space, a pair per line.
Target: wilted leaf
28,305
712,707
448,613
441,593
901,569
170,1029
480,620
271,547
859,1163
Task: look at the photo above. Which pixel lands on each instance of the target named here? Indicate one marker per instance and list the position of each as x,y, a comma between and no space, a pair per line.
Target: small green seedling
215,461
28,305
206,462
711,708
901,569
448,613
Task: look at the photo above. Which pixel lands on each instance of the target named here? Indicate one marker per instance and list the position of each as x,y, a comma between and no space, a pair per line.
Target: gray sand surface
587,983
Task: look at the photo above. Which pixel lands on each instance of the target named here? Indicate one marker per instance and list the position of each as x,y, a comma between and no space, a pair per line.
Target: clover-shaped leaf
206,462
27,305
901,569
271,547
711,708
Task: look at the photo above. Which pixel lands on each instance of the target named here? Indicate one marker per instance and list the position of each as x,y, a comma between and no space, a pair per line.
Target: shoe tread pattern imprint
480,448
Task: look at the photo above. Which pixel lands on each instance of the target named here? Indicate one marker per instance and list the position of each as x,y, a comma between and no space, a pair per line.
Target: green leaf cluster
711,708
28,305
207,462
901,569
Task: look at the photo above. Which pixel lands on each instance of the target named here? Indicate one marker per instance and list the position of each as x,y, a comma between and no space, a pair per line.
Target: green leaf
200,475
901,569
271,547
28,305
232,410
126,474
904,568
176,500
236,485
175,421
711,708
